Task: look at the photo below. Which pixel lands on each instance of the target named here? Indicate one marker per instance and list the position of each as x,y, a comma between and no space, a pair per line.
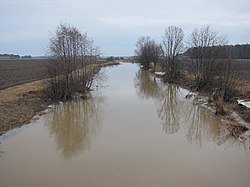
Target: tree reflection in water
73,124
168,110
146,85
202,125
177,113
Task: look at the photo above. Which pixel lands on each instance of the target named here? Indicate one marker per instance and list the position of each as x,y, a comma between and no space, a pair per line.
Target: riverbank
20,103
236,117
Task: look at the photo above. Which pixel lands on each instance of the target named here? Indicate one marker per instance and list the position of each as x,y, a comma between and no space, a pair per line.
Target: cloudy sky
115,25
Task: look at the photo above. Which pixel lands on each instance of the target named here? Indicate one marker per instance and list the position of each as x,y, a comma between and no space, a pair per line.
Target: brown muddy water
134,132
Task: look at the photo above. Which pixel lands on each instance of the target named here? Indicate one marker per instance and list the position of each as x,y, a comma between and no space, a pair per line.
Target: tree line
240,51
237,51
12,56
209,57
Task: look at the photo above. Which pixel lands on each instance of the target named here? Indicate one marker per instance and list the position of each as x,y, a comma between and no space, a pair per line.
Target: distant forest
237,51
240,51
12,56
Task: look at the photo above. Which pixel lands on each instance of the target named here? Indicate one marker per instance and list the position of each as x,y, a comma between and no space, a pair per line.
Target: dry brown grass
20,103
17,92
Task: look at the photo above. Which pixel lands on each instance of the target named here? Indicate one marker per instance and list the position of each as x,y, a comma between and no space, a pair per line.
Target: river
134,132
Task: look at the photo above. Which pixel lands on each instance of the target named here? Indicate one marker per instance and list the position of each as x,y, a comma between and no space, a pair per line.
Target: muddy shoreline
236,118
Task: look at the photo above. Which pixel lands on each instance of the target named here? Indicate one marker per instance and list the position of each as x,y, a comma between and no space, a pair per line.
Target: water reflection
73,124
202,126
177,113
146,85
169,109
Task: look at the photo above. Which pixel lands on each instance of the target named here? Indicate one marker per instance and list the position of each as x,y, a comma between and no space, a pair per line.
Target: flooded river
133,132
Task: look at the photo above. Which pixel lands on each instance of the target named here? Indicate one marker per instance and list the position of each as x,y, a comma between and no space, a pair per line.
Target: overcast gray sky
115,25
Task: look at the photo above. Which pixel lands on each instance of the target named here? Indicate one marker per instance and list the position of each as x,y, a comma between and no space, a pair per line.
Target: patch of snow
244,103
159,73
50,106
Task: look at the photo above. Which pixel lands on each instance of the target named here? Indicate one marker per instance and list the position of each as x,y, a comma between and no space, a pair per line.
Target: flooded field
135,131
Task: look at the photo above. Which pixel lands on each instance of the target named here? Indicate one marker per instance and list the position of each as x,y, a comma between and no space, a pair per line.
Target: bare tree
205,54
69,67
212,65
172,47
148,51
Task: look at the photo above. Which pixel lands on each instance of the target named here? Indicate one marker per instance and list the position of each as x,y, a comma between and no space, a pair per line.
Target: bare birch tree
172,47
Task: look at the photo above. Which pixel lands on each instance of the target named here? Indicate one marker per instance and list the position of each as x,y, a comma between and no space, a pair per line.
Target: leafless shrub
219,103
225,80
212,64
205,54
71,67
148,51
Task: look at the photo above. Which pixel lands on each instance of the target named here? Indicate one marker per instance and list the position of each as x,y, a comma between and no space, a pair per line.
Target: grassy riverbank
20,103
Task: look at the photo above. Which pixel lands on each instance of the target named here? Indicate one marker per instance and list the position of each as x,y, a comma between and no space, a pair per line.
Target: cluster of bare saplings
208,59
72,66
